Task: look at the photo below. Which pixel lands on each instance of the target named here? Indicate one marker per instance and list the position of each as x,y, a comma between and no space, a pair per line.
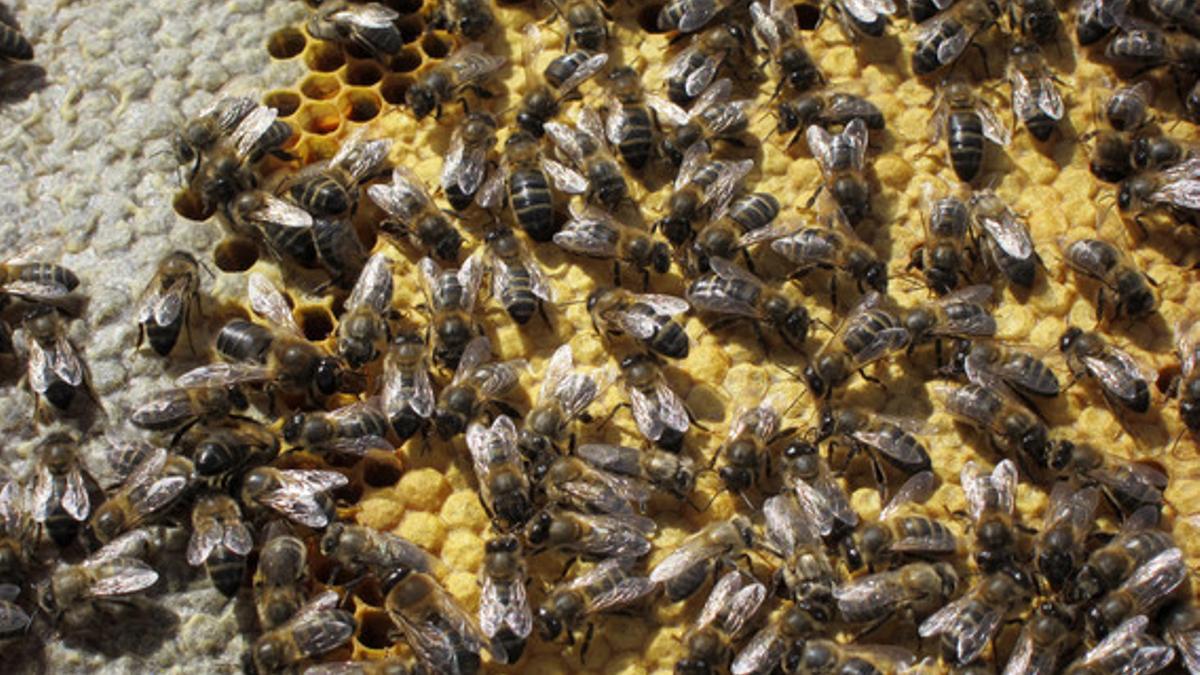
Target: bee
827,109
362,550
36,282
658,411
1096,20
1128,108
414,215
1175,14
898,533
155,481
1059,547
1008,424
789,627
691,71
165,305
990,364
279,357
542,99
913,591
836,248
991,500
777,32
921,11
72,594
451,296
363,331
563,396
587,23
1111,158
1037,20
1187,347
55,369
442,634
1171,190
864,18
1179,626
1107,567
940,42
466,163
730,607
18,532
297,494
1035,98
702,186
1153,152
962,314
13,45
825,504
869,333
574,483
203,133
518,281
941,258
317,627
355,430
591,536
734,292
1009,245
969,623
665,470
220,541
13,619
827,656
228,168
807,575
1149,47
285,229
880,437
586,146
842,158
745,450
1128,648
610,585
503,483
683,570
370,27
1151,583
1128,486
279,577
1046,637
471,19
733,227
332,188
629,124
689,16
596,234
711,118
965,120
1119,376
1117,275
505,616
464,70
646,317
60,500
183,407
477,384
525,177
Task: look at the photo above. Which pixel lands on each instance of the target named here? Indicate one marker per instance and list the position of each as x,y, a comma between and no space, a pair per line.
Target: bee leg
612,412
1100,305
587,641
881,482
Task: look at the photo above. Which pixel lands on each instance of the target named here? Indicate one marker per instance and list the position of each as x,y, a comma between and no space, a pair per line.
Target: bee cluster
262,457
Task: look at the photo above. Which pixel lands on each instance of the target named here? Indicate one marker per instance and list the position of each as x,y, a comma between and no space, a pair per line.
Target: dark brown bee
1119,376
691,71
227,169
407,396
185,406
834,248
1009,425
807,575
734,292
912,591
464,70
777,32
1141,593
518,281
730,607
965,121
504,613
220,541
805,472
1128,648
842,158
59,499
1170,191
1119,279
371,26
659,412
1005,236
941,258
525,178
1128,486
363,331
201,133
1155,152
451,295
1060,549
832,110
563,396
1128,108
586,146
968,624
890,439
610,585
468,158
354,430
687,567
1096,19
1138,541
594,233
542,99
332,188
362,550
439,631
223,452
591,536
478,383
1187,348
285,229
744,456
646,317
962,315
468,18
166,305
1035,98
868,334
711,118
745,222
587,23
702,186
942,41
14,46
989,364
668,471
414,215
55,369
36,282
1037,20
783,637
1046,638
688,16
280,576
629,124
503,484
1150,47
297,494
576,484
1111,159
317,627
991,501
899,533
153,481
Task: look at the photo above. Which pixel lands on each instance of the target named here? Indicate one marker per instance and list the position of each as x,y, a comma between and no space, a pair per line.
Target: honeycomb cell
362,73
435,45
807,16
315,322
374,629
188,204
647,17
285,102
359,105
408,60
324,57
380,472
319,87
394,87
286,43
411,28
235,254
405,6
319,118
318,148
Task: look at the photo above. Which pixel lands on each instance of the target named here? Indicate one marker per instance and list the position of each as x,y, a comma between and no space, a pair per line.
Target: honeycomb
433,500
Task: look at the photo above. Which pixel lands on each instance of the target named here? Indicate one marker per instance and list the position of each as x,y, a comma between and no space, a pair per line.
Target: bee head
1068,339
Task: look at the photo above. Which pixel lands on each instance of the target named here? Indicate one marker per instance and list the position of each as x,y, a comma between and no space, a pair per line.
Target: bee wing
124,576
75,500
671,112
646,414
491,192
613,458
1118,373
565,140
204,540
625,592
13,619
949,48
1049,100
1069,503
295,497
395,396
42,497
761,653
374,286
371,15
1151,655
1156,579
495,614
279,213
1021,661
597,238
1010,234
461,169
588,121
390,198
67,365
477,352
820,144
13,504
583,73
1187,344
917,489
470,275
765,28
565,179
1024,98
699,78
730,176
162,493
876,591
663,304
560,365
736,595
228,111
869,11
238,539
715,93
993,128
615,128
816,505
695,15
214,375
251,128
170,303
1187,643
890,443
683,559
268,302
472,63
1180,189
970,637
786,524
671,410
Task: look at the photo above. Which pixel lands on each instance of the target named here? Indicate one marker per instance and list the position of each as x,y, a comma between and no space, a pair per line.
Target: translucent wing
560,365
565,140
203,542
1049,100
1180,186
273,211
170,303
396,395
645,413
993,128
626,592
1009,234
663,304
268,302
214,375
565,179
65,361
765,28
919,488
1156,579
584,72
43,494
820,144
761,653
495,613
13,619
786,524
1117,373
477,352
1023,95
374,286
123,576
372,15
593,237
251,128
949,48
668,110
699,78
671,409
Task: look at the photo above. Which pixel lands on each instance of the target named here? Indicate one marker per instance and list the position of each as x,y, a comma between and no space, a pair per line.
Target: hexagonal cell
381,472
409,59
285,102
436,45
286,43
315,322
362,73
359,105
394,87
375,629
188,204
647,17
411,27
324,57
235,254
808,16
320,87
319,118
405,6
317,148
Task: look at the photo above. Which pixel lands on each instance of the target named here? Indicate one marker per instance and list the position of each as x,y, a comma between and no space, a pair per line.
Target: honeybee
317,627
1037,20
279,577
60,500
1117,274
165,306
827,656
789,627
941,258
466,163
990,364
734,292
736,226
1128,486
730,607
220,541
518,281
1151,583
842,158
667,471
646,317
1059,547
332,188
542,99
1187,347
629,124
451,295
1153,152
965,120
1179,626
1046,637
371,26
657,409
443,636
586,146
1128,108
363,550
297,494
74,593
1111,158
711,118
1107,567
464,70
285,229
574,483
1171,190
504,613
1008,243
155,481
18,532
991,501
863,18
921,11
610,585
806,574
1035,98
869,333
688,16
1008,424
523,178
13,45
186,406
363,331
1148,47
1120,378
837,249
683,570
477,384
469,18
228,168
898,532
828,109
745,456
55,368
355,430
563,396
415,215
913,592
968,624
691,71
592,536
1128,648
36,282
13,618
825,503
962,314
503,483
587,23
596,234
880,437
702,186
216,123
940,42
777,32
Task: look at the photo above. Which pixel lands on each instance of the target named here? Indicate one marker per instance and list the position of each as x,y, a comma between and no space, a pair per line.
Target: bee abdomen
49,274
532,204
1040,126
226,570
519,301
321,196
13,45
965,138
162,339
638,143
242,340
